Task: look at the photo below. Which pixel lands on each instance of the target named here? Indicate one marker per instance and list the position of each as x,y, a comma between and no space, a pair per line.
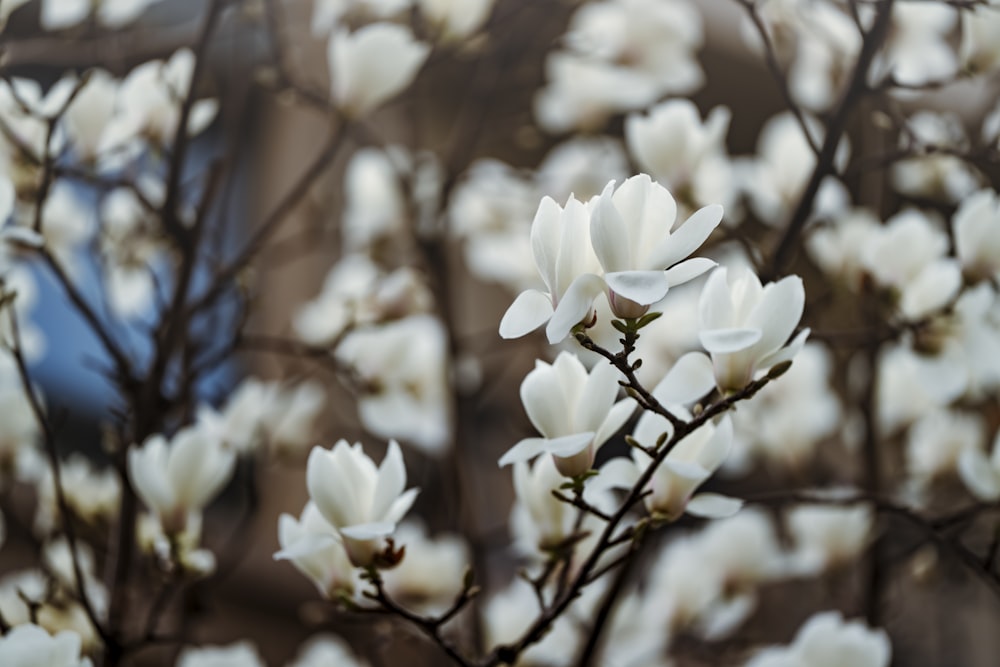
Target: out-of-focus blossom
937,175
917,49
622,55
923,279
683,153
177,550
574,411
430,577
90,112
30,646
403,370
490,210
456,19
240,654
62,14
372,64
560,243
57,610
746,326
326,650
826,640
776,176
980,47
314,547
374,202
908,386
91,493
839,247
937,442
18,427
581,166
981,473
827,536
177,479
328,14
67,225
976,226
362,502
58,560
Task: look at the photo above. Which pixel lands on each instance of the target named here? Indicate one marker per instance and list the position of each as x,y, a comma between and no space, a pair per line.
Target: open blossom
936,175
30,646
313,546
362,502
456,19
560,243
826,536
574,411
976,224
826,640
177,479
746,326
372,64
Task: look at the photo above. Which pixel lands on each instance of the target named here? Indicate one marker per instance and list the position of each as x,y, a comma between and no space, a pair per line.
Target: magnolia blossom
326,650
93,494
981,473
430,577
240,654
574,411
29,646
826,536
839,248
641,257
980,47
938,442
372,64
456,19
581,165
374,201
313,546
177,479
746,326
976,226
826,640
917,49
328,14
936,175
683,153
62,14
362,502
688,465
560,243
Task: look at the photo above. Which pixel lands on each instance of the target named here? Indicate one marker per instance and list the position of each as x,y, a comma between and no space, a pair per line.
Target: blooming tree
640,394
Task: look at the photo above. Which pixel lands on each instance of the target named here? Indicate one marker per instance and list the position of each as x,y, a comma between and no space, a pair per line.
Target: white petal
618,473
309,544
689,270
643,287
713,506
691,377
688,237
619,414
726,341
608,234
368,531
530,310
569,445
390,482
979,476
525,450
574,306
778,312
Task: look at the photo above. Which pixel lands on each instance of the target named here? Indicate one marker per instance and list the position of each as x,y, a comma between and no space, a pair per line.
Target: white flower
328,14
976,226
935,175
178,550
560,243
90,112
241,654
688,465
641,257
372,64
917,49
938,442
581,165
178,479
839,247
403,366
981,473
326,650
92,494
980,48
683,153
30,646
362,502
313,546
826,536
574,411
456,19
430,577
745,326
826,640
374,201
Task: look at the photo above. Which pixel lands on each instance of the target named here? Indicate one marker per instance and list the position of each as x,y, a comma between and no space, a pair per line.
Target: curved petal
596,398
306,546
569,445
390,482
525,450
574,306
786,353
400,506
618,473
334,494
713,506
368,531
691,377
778,313
689,270
687,238
978,475
727,341
715,305
530,310
608,234
643,287
544,399
619,414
